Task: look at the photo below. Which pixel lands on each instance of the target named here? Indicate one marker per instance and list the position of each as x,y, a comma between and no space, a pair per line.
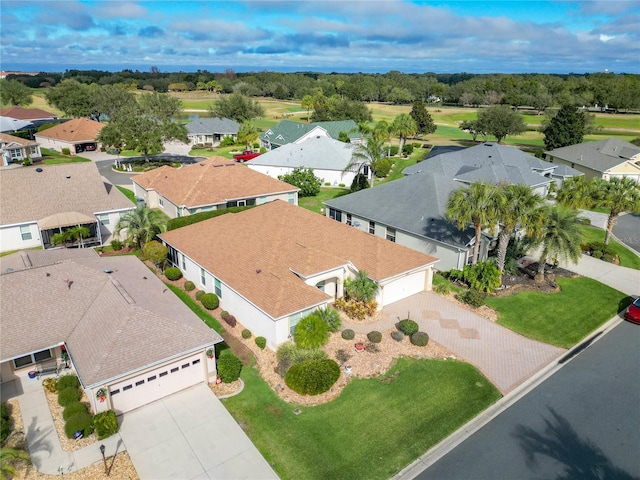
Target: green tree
237,107
307,104
559,237
110,100
8,458
156,252
141,225
161,108
617,195
500,121
361,288
476,204
383,131
247,134
369,154
473,127
423,118
567,127
72,97
304,179
404,127
13,92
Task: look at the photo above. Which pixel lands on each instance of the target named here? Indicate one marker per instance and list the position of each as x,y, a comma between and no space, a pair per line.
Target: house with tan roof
212,184
274,264
129,339
38,202
17,149
30,114
77,135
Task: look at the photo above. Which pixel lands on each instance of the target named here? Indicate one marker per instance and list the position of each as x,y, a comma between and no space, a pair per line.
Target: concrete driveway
190,435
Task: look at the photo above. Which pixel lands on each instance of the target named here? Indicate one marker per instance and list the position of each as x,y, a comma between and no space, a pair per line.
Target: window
242,203
25,232
175,369
292,197
103,218
195,362
262,200
295,318
218,287
139,382
335,214
127,387
32,358
203,279
391,234
115,392
178,212
206,209
34,150
372,227
161,201
320,285
184,262
163,374
151,379
349,219
251,201
186,365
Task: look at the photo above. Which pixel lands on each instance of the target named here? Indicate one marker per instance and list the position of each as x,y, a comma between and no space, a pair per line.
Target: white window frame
372,227
25,233
103,218
391,234
217,287
33,358
203,277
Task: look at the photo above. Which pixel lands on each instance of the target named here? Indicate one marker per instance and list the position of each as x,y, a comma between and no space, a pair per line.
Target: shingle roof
415,204
210,182
497,174
74,131
15,142
10,124
599,156
27,195
256,253
321,153
222,126
287,131
22,113
113,323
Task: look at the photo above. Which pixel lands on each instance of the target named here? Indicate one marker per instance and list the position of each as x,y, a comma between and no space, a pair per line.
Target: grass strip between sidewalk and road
627,258
374,429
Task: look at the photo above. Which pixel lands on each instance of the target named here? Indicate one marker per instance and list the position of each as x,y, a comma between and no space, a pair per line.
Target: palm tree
383,131
247,133
369,154
79,232
361,287
307,104
477,204
618,194
519,206
141,225
404,127
559,236
8,456
576,192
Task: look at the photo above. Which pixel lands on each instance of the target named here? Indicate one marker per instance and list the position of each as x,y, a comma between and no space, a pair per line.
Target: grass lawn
326,193
563,318
372,430
127,193
51,157
200,311
628,258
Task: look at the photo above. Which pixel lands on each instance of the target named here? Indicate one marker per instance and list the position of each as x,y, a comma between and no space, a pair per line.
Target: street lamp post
104,459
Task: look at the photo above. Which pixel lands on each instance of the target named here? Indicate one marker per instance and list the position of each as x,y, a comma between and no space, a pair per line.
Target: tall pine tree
422,118
566,128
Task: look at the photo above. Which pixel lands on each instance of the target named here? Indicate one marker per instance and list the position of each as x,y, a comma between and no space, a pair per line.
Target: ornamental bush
441,288
472,297
348,334
79,421
230,319
68,395
73,408
106,424
229,367
50,384
173,273
210,301
116,245
374,336
312,377
189,285
289,354
407,326
311,332
397,335
199,294
68,381
246,334
419,339
261,342
331,317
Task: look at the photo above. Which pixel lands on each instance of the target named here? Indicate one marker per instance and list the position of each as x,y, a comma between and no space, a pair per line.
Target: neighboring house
33,117
77,135
274,264
604,159
38,202
326,157
13,125
294,132
208,185
16,149
128,337
210,131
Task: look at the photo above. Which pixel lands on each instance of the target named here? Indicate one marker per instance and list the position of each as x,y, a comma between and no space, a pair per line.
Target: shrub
156,252
374,336
419,339
356,309
68,381
311,332
483,276
472,297
331,317
371,347
393,151
397,335
68,395
189,285
199,294
179,222
210,301
229,367
261,342
173,273
106,424
348,334
384,168
66,151
227,141
246,334
442,288
50,384
407,326
5,422
304,179
407,149
229,319
289,355
73,408
342,356
79,421
116,245
312,377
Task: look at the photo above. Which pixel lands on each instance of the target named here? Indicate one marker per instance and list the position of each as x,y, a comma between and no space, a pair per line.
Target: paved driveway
190,435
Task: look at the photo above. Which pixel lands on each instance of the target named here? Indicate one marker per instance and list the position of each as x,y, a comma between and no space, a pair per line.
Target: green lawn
628,258
51,157
196,308
563,318
326,193
127,193
376,426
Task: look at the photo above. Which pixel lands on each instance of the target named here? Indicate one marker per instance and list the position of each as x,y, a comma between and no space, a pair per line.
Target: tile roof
222,126
317,153
287,131
27,195
256,253
15,142
113,323
210,182
599,156
22,113
74,131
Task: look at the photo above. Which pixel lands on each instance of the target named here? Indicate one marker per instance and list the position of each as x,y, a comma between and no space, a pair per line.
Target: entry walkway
506,358
626,280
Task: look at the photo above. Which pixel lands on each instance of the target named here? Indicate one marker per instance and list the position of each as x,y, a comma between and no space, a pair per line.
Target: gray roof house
129,339
294,132
210,131
608,158
327,158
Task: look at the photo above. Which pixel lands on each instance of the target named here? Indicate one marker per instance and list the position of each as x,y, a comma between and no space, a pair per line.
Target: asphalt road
116,178
582,423
627,230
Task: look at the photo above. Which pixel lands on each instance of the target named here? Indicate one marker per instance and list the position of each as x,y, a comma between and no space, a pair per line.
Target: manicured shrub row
229,319
348,334
229,367
68,395
600,251
74,407
407,326
5,422
210,301
79,422
68,381
261,342
419,339
374,336
312,377
189,285
106,424
200,216
246,334
173,273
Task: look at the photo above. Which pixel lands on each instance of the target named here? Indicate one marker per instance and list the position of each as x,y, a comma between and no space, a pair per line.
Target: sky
374,36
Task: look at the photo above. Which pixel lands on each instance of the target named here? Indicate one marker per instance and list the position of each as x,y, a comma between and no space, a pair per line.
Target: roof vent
107,270
38,169
68,176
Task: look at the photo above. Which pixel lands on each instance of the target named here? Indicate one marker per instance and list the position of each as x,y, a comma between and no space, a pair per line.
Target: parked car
89,148
632,313
246,155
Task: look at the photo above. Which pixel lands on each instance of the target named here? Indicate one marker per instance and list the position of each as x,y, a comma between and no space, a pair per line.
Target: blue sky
332,35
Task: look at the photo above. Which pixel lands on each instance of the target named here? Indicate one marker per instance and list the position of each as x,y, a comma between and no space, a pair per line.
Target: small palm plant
361,287
8,459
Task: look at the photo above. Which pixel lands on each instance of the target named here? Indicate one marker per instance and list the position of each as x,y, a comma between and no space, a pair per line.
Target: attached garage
405,286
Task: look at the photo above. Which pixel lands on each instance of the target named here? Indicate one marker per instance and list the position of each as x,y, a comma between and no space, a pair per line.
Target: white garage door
155,384
403,287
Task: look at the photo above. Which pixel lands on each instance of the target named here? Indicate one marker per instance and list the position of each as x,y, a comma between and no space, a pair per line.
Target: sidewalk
626,280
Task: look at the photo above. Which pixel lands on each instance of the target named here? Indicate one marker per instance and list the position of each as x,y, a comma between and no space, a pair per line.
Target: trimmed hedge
79,421
68,381
229,367
200,216
210,301
106,424
312,377
173,273
189,285
74,407
420,339
407,326
374,336
348,334
68,395
246,334
261,342
199,293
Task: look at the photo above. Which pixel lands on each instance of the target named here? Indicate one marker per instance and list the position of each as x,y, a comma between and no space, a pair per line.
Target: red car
633,312
246,155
